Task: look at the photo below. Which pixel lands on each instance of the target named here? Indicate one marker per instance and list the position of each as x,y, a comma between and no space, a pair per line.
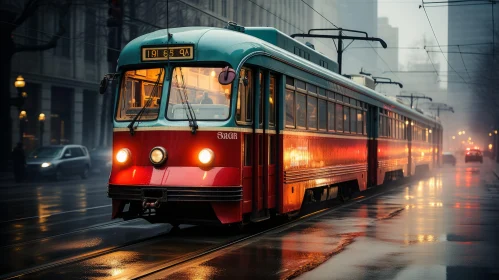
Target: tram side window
312,112
330,115
140,88
353,120
322,114
262,92
290,108
359,122
272,91
365,122
346,119
244,112
339,117
301,110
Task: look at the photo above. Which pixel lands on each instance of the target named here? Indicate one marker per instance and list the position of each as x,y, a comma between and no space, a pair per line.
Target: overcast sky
413,25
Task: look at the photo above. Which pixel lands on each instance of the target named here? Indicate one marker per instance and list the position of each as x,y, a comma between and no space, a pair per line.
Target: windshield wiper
154,91
190,114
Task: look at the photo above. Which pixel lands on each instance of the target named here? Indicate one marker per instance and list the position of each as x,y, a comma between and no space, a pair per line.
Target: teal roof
224,45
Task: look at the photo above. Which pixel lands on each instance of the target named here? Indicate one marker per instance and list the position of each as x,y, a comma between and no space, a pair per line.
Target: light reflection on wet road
443,227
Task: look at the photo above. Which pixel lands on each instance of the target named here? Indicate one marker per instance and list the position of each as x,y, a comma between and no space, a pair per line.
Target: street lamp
19,102
453,137
19,83
23,116
41,119
490,134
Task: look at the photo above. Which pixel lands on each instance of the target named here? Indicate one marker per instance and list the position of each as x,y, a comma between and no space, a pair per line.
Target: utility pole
115,32
340,38
412,97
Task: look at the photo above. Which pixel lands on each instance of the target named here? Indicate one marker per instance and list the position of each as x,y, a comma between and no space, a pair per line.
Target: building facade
63,82
472,30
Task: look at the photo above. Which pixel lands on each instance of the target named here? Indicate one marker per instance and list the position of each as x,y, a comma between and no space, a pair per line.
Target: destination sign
167,53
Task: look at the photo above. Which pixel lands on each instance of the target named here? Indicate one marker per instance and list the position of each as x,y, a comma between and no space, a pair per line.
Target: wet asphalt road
442,227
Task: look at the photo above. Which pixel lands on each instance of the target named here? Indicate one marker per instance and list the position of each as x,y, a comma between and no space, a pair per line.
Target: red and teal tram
234,125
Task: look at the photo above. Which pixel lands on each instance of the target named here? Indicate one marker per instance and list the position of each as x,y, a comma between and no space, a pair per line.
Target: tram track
198,256
194,255
81,230
79,258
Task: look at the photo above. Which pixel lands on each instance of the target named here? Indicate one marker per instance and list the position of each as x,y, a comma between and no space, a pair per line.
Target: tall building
390,35
471,30
363,16
63,82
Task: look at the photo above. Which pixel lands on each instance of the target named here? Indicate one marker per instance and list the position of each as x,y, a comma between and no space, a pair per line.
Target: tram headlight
206,156
158,155
123,155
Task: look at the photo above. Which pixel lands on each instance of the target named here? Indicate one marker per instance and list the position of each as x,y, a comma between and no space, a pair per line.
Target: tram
235,125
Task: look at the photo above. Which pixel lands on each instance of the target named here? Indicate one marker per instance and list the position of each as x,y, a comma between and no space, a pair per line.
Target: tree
12,18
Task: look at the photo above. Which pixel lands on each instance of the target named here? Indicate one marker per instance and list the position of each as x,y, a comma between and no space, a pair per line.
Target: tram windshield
209,99
137,90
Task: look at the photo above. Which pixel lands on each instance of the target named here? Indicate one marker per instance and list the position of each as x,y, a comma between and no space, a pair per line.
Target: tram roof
224,45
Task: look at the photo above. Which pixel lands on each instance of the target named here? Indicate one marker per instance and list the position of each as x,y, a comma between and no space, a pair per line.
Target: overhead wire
438,43
349,44
464,64
320,14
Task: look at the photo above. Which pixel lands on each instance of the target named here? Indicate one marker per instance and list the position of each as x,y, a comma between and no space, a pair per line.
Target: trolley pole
441,107
412,97
340,37
340,53
379,80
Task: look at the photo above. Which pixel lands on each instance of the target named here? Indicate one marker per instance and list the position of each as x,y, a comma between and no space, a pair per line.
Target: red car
473,155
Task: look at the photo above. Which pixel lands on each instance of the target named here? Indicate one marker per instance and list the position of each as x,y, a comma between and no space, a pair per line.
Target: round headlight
158,155
123,155
206,156
46,164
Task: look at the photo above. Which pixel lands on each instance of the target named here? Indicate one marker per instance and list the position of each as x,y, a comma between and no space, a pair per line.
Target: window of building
224,7
90,35
63,44
312,112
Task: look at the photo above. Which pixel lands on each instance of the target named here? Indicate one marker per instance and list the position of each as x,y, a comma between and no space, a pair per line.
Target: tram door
264,163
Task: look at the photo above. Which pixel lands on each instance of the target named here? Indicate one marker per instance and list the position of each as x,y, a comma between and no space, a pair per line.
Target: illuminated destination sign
167,53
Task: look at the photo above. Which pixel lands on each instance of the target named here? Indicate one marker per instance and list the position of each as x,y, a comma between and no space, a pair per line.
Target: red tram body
269,165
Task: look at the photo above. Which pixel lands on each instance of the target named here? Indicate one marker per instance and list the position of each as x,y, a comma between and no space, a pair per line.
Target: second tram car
238,124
